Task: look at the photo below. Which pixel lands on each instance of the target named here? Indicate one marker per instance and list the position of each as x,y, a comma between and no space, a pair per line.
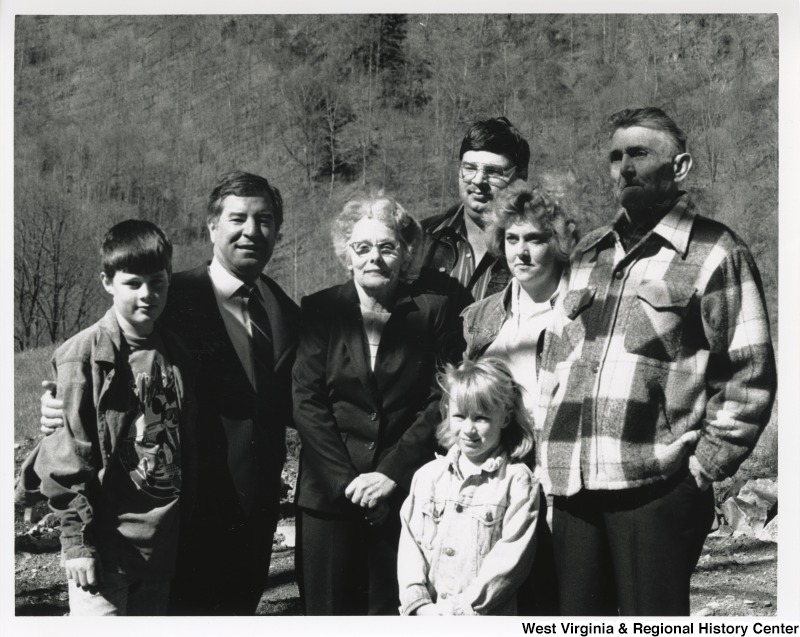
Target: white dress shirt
231,294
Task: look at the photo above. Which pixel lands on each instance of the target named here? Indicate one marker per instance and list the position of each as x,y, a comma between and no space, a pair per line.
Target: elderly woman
531,232
366,407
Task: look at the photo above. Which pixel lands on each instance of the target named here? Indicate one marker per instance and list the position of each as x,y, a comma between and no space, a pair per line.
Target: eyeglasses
495,175
385,248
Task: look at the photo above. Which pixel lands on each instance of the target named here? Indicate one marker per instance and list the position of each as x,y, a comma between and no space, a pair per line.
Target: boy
117,472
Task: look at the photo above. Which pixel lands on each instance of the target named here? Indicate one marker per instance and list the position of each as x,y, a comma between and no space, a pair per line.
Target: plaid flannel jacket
646,346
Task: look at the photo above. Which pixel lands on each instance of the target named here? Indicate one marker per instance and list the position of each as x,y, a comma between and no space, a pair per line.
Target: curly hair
385,209
518,203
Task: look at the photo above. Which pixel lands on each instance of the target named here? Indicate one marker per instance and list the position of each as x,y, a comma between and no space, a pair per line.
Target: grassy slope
30,368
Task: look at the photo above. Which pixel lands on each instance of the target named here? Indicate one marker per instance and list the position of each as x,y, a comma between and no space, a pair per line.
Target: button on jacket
352,419
467,543
227,397
94,381
645,346
224,554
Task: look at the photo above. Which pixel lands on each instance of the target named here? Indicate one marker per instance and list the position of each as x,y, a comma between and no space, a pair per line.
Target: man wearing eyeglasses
455,256
456,262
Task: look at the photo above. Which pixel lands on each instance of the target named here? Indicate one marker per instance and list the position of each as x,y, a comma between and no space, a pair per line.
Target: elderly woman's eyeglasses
385,248
495,175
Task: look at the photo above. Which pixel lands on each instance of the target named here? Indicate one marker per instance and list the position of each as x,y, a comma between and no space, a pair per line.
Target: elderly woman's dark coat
354,420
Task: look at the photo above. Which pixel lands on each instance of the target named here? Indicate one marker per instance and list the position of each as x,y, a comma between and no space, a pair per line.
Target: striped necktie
261,333
243,457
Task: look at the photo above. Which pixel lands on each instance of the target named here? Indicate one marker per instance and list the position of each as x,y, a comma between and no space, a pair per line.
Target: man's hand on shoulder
52,409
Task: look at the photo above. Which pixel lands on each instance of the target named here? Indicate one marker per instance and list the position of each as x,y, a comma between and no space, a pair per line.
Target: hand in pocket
671,458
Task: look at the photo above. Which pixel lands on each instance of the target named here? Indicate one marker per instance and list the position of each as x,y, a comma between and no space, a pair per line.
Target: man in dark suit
240,329
244,391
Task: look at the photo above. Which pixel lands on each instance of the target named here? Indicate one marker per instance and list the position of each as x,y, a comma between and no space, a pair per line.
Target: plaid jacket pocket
657,320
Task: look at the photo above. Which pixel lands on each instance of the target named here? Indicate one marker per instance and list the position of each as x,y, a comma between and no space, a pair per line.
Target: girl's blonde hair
486,386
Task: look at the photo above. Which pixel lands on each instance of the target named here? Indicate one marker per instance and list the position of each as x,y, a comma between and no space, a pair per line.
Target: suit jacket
225,395
352,420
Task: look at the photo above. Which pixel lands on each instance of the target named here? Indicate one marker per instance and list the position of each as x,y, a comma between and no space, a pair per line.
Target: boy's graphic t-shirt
150,451
143,482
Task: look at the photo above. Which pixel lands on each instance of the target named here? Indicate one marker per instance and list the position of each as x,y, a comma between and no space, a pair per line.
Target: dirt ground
735,576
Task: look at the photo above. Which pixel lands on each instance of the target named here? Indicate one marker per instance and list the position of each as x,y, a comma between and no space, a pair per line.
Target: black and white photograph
362,311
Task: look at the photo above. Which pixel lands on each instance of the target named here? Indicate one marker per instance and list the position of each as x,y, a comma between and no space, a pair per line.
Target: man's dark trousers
630,552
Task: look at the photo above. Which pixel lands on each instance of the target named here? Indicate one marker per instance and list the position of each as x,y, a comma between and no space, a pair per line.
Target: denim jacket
467,544
93,378
483,320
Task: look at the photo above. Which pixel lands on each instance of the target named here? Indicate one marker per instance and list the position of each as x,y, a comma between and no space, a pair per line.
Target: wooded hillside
137,116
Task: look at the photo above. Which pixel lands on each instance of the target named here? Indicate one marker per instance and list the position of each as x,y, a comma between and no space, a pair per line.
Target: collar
105,350
508,296
363,296
226,284
675,227
404,296
128,331
490,465
452,224
515,290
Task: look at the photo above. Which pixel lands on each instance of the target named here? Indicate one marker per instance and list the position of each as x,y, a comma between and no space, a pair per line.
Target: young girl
468,526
